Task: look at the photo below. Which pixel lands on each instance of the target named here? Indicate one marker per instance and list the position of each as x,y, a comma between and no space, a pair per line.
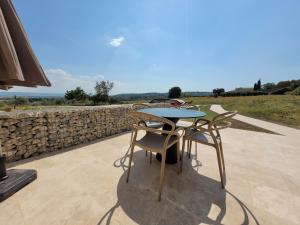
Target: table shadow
187,198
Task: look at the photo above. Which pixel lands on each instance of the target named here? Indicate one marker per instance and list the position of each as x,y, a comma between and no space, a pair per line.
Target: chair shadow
187,198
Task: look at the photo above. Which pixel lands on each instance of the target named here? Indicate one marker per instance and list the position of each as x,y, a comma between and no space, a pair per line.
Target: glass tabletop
173,113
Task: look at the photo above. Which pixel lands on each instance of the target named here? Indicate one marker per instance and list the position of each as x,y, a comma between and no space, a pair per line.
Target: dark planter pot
3,174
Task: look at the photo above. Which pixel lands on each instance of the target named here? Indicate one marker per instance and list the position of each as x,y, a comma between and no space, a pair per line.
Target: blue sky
145,46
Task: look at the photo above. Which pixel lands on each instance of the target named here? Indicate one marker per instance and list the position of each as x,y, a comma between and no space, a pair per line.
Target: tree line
73,97
101,96
280,88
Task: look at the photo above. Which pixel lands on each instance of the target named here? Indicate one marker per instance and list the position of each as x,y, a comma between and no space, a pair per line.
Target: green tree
259,84
255,87
218,91
174,92
269,87
76,94
283,84
102,90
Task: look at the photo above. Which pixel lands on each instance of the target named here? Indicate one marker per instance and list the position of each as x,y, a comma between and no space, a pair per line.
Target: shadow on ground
187,198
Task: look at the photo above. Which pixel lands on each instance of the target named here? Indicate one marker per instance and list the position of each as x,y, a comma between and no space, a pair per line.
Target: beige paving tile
87,185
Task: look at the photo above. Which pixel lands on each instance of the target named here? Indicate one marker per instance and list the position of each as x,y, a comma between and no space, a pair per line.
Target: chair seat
183,124
195,135
154,141
154,125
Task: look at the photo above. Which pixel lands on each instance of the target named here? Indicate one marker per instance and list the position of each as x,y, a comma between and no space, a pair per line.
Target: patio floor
86,185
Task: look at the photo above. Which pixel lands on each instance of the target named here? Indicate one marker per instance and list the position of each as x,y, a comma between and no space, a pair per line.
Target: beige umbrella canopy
18,63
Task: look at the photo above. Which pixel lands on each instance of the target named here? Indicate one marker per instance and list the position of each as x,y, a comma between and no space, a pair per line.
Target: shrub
21,101
243,93
296,91
113,101
59,101
281,91
98,98
2,104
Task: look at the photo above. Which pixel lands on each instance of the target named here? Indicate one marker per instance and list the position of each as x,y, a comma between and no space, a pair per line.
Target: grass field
281,109
234,123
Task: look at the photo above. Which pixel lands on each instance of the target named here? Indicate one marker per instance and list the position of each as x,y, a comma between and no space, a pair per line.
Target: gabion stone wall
29,133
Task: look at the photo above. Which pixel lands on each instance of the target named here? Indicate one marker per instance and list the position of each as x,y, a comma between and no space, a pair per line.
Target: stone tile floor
86,185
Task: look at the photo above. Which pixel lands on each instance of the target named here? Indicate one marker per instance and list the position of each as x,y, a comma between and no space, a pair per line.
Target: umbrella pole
3,174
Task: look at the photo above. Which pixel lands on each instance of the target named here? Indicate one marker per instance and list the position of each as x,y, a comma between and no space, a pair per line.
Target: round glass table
174,115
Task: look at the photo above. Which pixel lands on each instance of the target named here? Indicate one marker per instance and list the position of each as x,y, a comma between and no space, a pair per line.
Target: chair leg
220,166
150,157
130,160
162,175
190,148
146,153
182,154
131,137
222,157
187,149
178,157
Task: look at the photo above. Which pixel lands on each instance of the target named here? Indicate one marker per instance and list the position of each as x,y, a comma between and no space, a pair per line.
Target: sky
151,46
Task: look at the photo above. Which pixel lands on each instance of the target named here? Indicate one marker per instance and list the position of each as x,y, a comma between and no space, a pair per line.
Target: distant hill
134,96
152,95
197,93
5,94
120,97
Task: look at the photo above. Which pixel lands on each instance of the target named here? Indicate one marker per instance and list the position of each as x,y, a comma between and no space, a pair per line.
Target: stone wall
29,133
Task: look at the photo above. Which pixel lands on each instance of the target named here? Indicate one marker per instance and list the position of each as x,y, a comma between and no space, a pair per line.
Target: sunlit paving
87,185
149,112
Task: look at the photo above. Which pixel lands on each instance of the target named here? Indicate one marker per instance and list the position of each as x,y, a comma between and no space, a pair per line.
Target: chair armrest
223,126
223,116
176,132
198,128
153,130
202,122
205,122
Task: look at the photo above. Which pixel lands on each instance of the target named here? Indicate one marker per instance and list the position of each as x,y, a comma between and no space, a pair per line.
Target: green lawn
281,109
235,123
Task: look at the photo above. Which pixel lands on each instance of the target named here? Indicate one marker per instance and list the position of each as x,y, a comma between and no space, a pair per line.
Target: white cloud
58,73
62,81
116,42
95,77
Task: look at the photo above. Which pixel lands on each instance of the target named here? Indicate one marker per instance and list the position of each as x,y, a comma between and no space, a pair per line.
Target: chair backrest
221,121
141,118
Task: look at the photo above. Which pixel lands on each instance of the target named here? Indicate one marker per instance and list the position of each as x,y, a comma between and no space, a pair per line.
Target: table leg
171,155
